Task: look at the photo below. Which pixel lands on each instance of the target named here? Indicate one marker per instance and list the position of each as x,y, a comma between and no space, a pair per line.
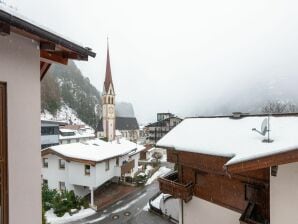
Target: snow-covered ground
53,219
160,172
129,204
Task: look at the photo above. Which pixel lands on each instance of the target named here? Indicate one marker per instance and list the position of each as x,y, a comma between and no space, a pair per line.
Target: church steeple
108,79
108,103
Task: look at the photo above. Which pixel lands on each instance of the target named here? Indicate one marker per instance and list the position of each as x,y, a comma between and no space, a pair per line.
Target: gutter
42,33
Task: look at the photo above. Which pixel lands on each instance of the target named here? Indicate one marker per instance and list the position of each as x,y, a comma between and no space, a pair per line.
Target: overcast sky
176,56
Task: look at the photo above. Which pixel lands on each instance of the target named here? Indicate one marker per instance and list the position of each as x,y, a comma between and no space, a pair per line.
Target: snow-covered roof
95,150
223,136
64,130
77,134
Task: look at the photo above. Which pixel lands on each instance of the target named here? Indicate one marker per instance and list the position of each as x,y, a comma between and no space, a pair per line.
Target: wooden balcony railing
127,167
169,185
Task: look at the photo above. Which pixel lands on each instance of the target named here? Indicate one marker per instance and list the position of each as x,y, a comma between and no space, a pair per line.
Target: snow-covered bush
61,202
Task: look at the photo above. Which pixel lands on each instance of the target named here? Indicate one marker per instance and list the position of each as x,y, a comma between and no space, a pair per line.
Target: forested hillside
66,86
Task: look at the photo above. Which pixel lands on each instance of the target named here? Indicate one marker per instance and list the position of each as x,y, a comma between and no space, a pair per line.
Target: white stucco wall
19,68
49,139
204,212
103,175
77,174
284,195
53,173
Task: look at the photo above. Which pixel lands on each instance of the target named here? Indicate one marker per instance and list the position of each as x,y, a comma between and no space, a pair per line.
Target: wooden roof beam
53,57
44,67
4,29
47,46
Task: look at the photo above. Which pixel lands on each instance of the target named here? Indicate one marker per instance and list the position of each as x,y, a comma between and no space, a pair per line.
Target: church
111,125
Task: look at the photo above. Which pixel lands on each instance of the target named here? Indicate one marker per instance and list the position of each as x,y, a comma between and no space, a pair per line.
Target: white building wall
203,212
103,175
77,175
284,195
49,139
53,174
19,68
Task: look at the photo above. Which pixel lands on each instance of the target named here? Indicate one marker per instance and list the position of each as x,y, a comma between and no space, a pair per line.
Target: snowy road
129,210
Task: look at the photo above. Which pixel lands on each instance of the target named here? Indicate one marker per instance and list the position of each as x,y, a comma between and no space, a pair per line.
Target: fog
186,57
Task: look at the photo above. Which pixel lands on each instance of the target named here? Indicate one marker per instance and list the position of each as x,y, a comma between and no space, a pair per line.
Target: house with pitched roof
83,167
231,171
27,52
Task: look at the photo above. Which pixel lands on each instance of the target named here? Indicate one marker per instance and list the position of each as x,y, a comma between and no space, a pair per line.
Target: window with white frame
45,162
62,186
87,170
61,164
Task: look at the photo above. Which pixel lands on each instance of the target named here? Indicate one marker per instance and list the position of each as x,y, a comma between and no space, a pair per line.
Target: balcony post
92,197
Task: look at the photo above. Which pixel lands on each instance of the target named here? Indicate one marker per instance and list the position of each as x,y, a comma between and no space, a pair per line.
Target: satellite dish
264,130
264,127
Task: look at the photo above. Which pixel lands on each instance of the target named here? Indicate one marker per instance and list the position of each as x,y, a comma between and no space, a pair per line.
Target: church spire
108,78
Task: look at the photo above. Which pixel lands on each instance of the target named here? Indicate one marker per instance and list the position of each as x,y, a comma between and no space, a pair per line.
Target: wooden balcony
169,185
127,167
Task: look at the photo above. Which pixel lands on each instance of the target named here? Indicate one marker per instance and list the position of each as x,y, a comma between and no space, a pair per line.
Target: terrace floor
110,194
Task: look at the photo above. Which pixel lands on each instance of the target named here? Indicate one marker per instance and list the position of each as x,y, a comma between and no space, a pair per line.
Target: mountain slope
66,87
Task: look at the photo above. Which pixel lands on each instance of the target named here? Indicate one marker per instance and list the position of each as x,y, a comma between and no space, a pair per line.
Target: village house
227,172
165,122
27,51
67,135
50,132
83,167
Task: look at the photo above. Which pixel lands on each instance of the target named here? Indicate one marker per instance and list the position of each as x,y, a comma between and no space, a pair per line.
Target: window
87,170
45,182
45,162
68,141
61,164
62,186
107,164
49,131
117,161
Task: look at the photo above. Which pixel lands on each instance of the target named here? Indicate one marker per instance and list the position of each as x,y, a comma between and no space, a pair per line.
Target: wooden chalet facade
251,191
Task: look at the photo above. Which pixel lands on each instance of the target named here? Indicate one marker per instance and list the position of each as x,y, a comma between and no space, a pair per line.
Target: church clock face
111,110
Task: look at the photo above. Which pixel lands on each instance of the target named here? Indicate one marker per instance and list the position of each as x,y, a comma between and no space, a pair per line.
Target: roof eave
290,156
42,33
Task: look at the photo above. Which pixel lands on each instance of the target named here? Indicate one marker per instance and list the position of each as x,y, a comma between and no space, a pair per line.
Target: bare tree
157,156
279,107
